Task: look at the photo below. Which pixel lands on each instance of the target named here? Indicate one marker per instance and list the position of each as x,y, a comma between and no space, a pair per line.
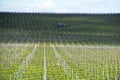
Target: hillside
82,28
32,47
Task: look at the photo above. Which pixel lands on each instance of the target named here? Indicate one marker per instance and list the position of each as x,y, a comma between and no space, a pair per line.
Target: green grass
87,48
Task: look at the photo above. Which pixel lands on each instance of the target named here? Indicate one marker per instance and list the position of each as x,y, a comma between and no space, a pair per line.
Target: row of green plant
35,69
73,62
54,68
99,28
66,53
92,63
11,59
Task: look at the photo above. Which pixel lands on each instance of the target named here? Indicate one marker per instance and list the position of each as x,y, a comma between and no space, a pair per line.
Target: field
32,47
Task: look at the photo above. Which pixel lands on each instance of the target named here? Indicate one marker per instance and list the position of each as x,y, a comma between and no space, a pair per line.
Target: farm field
32,47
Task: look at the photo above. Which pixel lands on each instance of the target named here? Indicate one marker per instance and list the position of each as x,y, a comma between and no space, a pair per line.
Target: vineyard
32,47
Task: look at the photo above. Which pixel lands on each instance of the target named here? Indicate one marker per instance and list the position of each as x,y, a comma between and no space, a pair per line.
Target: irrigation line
67,53
45,70
63,62
19,54
25,63
67,68
30,56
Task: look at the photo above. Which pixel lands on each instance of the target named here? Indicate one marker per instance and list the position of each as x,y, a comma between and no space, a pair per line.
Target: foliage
33,48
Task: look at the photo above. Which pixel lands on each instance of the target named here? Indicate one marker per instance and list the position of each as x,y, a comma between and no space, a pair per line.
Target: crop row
92,63
59,61
78,27
11,59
